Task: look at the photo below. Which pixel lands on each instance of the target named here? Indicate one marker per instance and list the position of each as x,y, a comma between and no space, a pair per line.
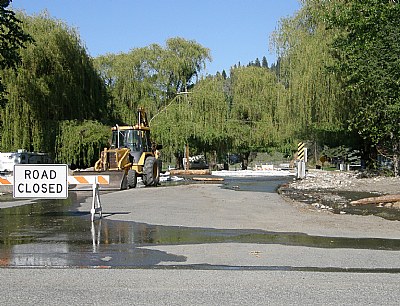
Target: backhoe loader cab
137,141
131,155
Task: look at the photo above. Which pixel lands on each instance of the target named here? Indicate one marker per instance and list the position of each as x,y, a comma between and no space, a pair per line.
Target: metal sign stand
96,204
95,181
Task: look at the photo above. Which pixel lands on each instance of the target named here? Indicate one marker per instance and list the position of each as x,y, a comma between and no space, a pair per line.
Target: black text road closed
40,181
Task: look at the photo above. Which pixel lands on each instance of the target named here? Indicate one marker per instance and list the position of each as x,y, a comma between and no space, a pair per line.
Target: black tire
151,172
131,178
124,183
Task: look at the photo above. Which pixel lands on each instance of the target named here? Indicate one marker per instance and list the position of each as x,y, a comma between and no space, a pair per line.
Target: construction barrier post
300,169
95,181
96,204
301,160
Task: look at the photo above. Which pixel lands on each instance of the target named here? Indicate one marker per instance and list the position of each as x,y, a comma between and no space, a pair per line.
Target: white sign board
46,181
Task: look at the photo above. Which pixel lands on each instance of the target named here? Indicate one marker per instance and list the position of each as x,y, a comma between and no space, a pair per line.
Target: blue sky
234,30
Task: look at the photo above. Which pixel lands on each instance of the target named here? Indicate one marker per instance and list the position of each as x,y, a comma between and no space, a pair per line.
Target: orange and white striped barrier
89,179
72,180
6,180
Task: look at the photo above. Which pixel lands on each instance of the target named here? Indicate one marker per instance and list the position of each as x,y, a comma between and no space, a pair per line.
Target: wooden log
210,179
377,200
190,172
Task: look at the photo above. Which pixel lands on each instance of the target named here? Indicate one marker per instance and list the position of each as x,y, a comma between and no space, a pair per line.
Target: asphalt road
213,246
194,287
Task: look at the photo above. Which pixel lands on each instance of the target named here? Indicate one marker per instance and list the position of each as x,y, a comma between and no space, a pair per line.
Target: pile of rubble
347,181
347,192
317,180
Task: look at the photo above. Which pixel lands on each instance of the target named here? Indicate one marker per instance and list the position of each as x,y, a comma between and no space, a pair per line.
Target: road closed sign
46,181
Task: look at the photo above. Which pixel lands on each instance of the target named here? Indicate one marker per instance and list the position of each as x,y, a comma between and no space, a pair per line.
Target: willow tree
210,109
197,118
130,82
181,63
78,142
12,38
55,81
150,76
313,102
254,113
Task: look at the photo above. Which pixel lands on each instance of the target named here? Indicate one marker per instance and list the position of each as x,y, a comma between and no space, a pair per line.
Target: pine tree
264,63
224,74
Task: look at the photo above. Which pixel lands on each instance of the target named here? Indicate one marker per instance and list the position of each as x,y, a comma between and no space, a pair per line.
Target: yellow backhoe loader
131,155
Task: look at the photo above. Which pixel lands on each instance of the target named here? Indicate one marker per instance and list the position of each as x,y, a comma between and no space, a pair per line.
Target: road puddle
258,184
51,233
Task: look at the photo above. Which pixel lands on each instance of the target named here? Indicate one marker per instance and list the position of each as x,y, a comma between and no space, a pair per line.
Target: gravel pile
325,180
347,181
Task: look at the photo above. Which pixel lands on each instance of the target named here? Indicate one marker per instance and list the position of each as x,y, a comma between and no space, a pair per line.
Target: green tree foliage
367,53
264,62
310,93
55,81
223,73
131,82
12,38
197,118
79,142
182,62
150,76
254,114
314,107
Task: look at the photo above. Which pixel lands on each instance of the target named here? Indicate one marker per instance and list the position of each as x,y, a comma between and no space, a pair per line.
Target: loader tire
124,183
151,172
131,178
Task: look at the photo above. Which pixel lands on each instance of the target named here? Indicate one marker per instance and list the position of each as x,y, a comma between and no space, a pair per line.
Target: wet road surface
52,233
48,235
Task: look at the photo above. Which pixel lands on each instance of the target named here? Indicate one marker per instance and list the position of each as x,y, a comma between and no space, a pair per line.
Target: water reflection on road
51,233
257,183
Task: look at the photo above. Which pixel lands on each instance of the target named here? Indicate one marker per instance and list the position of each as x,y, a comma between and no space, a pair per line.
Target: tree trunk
377,200
178,160
395,158
245,160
